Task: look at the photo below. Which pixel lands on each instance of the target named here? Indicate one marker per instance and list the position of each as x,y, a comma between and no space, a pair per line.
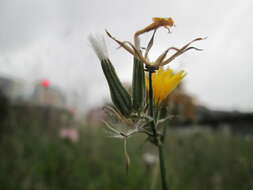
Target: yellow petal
164,82
172,83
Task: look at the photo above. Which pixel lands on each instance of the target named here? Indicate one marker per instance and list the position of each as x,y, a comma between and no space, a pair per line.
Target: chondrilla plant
140,112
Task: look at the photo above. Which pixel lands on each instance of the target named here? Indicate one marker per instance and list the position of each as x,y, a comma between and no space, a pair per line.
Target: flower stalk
162,167
157,139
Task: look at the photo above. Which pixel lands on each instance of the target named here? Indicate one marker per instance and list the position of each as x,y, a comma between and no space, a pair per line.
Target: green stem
151,106
156,137
162,167
164,131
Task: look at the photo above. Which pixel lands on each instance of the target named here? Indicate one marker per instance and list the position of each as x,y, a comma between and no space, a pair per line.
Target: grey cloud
48,38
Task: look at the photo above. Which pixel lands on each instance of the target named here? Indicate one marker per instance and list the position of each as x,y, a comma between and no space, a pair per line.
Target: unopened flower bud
120,97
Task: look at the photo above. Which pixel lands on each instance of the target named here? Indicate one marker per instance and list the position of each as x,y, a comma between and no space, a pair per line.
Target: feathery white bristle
137,43
99,46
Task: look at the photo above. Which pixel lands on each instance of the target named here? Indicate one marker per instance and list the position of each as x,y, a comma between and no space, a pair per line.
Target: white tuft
137,43
99,46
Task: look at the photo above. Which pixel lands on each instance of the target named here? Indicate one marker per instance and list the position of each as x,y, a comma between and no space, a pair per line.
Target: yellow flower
164,82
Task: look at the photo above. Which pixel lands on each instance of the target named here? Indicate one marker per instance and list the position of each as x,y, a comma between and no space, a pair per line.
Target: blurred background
52,93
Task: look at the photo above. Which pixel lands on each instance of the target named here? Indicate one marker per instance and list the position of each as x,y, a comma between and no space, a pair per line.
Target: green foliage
211,161
33,159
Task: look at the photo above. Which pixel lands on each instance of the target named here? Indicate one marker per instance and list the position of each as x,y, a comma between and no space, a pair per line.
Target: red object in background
45,83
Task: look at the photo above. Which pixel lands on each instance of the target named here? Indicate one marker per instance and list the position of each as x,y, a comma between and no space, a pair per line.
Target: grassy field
33,157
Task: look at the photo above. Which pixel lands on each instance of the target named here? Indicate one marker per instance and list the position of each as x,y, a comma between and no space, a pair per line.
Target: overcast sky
48,39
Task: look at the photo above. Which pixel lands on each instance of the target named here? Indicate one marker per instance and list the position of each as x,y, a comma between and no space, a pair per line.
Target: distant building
48,95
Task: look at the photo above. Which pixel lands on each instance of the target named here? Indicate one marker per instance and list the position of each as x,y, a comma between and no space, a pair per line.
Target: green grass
32,158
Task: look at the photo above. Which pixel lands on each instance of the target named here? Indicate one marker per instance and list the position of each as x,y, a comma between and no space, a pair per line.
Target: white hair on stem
99,46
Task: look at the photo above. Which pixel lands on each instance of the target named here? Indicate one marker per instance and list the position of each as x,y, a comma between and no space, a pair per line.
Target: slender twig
157,140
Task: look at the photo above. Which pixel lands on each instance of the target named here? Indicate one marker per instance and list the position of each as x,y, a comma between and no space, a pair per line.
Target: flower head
164,82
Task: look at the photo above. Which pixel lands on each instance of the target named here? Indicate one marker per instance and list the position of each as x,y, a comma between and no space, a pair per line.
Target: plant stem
162,167
151,106
164,132
158,141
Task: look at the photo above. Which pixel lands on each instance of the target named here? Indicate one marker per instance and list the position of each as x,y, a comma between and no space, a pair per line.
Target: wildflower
71,134
164,82
140,115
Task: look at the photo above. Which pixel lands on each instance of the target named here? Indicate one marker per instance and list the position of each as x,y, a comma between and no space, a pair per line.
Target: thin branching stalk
157,140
